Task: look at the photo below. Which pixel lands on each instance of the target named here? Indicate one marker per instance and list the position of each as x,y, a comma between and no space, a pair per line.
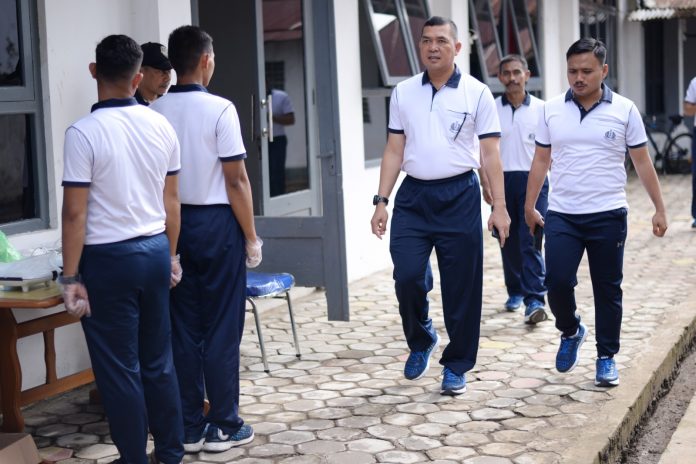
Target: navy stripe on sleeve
395,131
638,146
173,173
491,134
227,159
543,145
67,183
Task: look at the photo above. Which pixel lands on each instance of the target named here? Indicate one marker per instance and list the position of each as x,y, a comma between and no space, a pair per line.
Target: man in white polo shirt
435,119
690,110
586,132
217,239
523,264
120,228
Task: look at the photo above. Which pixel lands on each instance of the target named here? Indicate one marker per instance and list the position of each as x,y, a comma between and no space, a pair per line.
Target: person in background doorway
283,115
690,110
436,121
157,73
586,132
523,264
120,229
218,238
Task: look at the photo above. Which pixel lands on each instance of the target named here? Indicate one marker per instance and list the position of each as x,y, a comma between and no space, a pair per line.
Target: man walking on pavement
435,119
690,110
586,132
523,264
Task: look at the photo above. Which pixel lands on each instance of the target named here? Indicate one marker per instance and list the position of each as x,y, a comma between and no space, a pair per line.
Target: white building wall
631,59
560,28
68,93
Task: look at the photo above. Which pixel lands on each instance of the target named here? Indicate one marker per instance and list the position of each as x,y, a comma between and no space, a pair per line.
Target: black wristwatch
380,199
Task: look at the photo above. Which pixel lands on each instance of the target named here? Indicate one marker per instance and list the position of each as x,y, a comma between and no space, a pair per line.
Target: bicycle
674,156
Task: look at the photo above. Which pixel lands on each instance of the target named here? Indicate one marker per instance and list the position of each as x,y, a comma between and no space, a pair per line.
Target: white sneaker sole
606,383
536,317
194,447
427,364
218,447
453,392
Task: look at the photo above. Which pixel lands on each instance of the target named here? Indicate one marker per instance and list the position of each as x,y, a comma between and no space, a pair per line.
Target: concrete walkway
346,400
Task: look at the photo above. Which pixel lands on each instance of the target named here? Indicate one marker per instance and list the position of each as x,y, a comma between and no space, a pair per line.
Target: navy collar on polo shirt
187,88
526,101
453,80
140,99
607,96
114,103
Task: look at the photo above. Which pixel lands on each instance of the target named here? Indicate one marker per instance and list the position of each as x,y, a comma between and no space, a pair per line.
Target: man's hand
379,220
75,299
533,218
500,219
253,252
659,223
177,272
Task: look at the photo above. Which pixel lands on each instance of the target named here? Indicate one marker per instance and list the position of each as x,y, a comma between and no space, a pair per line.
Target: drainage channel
656,428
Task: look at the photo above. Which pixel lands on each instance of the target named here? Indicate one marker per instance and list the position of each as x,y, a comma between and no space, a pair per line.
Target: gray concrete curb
611,429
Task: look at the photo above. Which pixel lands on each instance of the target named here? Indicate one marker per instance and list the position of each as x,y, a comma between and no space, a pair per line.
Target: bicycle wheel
678,155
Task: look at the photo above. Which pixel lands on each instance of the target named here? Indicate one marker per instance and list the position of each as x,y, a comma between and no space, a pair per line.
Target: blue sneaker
418,362
567,356
535,313
193,443
514,302
217,441
607,375
452,383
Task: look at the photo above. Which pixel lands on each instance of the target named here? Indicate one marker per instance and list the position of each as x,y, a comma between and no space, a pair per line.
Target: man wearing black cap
156,70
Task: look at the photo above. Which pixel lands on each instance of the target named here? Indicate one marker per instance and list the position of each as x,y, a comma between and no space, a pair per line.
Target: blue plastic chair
263,285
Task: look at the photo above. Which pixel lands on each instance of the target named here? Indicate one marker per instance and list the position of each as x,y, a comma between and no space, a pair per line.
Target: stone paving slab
346,400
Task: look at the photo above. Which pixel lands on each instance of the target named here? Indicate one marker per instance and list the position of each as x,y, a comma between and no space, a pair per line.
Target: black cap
154,55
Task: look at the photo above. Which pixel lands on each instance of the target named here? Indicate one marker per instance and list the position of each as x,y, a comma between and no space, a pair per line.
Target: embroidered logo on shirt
610,134
530,136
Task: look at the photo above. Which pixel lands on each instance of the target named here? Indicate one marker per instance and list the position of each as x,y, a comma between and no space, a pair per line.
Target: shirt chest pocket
456,124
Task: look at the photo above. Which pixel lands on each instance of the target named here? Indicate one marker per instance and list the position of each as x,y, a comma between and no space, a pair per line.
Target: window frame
535,83
388,79
27,100
612,39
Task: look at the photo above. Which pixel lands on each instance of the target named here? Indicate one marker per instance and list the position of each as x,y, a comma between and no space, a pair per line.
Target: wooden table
11,395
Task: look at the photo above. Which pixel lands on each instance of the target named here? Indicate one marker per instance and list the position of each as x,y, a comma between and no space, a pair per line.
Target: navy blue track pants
523,264
207,311
603,235
129,342
444,214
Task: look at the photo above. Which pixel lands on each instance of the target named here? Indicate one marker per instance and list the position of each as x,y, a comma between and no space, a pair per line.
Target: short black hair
118,58
510,58
588,45
186,46
440,21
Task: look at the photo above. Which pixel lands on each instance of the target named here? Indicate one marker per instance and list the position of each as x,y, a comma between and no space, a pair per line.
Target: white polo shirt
691,94
208,129
518,127
122,152
281,106
441,126
588,150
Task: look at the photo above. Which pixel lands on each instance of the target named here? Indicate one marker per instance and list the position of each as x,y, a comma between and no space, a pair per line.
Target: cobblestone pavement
346,400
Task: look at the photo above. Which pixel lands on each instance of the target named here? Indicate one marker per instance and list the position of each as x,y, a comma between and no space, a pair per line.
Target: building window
389,34
23,196
598,20
275,75
503,27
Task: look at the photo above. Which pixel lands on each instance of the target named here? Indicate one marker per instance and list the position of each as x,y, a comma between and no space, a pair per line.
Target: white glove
253,252
177,272
75,299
